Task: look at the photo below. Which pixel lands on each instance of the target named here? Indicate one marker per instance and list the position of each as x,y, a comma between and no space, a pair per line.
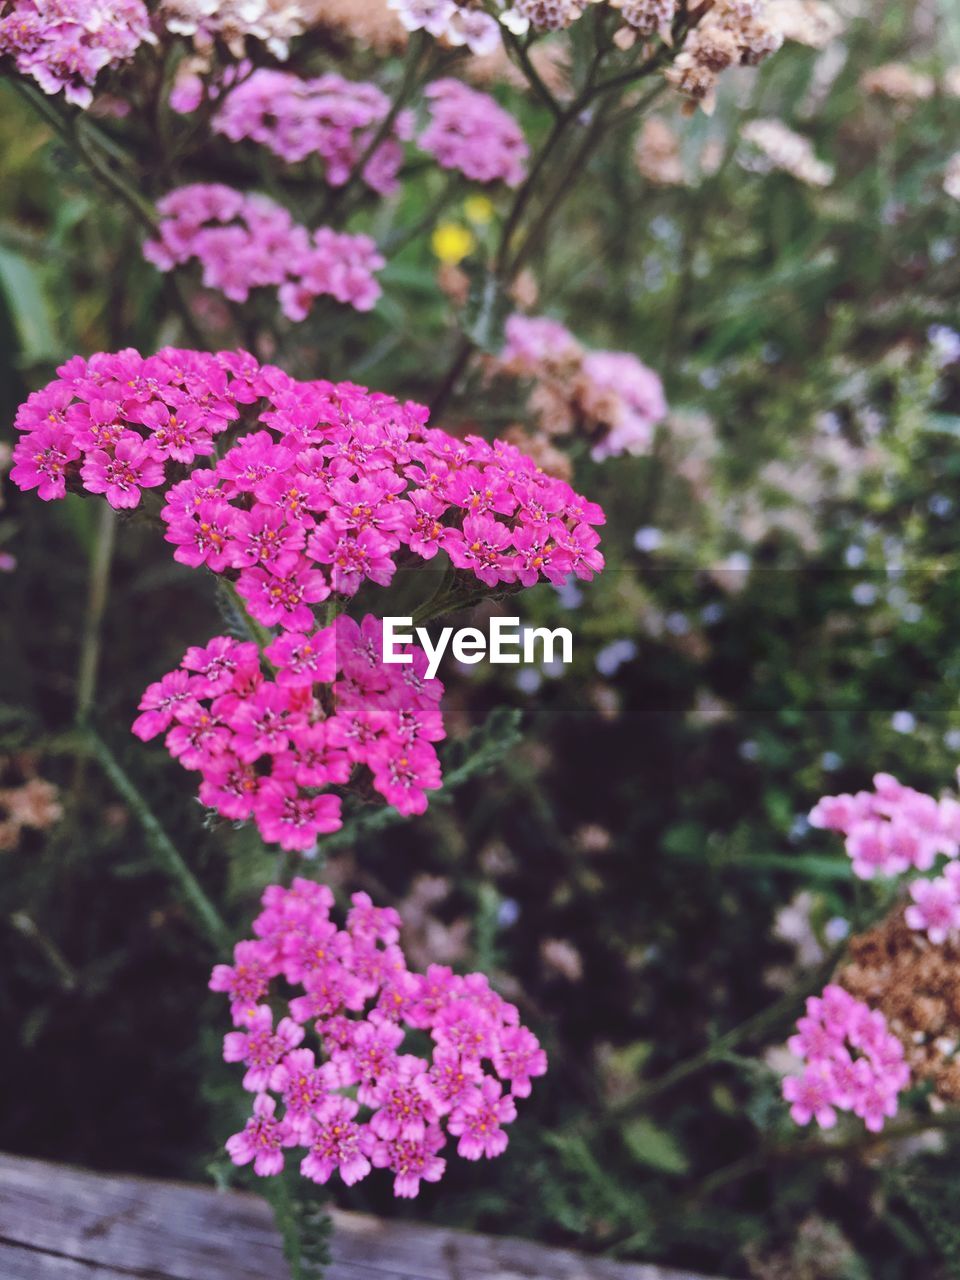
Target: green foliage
304,1224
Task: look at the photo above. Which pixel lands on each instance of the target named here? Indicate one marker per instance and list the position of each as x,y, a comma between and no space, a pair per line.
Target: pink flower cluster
620,391
370,1102
935,909
330,117
339,477
614,393
533,341
268,747
891,829
470,132
244,242
65,44
852,1062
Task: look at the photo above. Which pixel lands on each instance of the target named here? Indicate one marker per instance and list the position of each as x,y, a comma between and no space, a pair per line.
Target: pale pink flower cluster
268,747
366,1098
470,132
446,20
620,390
851,1062
329,117
319,499
65,44
891,829
615,392
245,242
533,341
935,909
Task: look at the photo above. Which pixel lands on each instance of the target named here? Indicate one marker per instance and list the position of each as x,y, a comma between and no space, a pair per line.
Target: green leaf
487,309
20,284
654,1147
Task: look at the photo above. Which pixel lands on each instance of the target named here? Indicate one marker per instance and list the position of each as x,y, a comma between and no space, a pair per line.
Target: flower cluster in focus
267,747
244,242
366,1100
338,477
65,44
851,1062
891,829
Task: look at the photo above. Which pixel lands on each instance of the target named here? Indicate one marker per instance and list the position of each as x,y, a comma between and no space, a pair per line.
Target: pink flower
852,1062
812,1096
326,474
363,1002
283,595
337,1143
41,460
412,1161
935,908
177,691
477,1120
470,132
404,1099
304,1087
64,46
892,828
261,1048
246,981
263,1139
517,1057
291,819
246,242
328,117
122,476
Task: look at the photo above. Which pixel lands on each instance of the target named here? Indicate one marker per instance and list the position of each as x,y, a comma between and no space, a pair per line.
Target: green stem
96,604
160,843
521,55
411,77
758,1024
820,1149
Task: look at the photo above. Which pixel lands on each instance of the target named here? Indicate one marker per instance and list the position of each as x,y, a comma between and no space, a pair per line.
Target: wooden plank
26,1264
58,1223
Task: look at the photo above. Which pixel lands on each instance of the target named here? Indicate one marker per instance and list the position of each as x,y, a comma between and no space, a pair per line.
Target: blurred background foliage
779,620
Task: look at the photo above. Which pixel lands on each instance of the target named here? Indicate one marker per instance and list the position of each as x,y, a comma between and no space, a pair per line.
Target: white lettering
391,638
436,651
549,639
469,645
504,631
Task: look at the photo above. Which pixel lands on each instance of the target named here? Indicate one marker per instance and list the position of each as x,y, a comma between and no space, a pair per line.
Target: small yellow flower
452,242
479,210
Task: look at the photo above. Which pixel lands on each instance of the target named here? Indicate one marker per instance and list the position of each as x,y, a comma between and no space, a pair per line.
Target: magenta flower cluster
471,133
65,44
244,242
851,1062
269,747
369,1101
891,829
329,117
319,500
343,479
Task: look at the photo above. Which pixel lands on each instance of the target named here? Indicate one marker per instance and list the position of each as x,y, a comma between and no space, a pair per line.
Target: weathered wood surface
58,1223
